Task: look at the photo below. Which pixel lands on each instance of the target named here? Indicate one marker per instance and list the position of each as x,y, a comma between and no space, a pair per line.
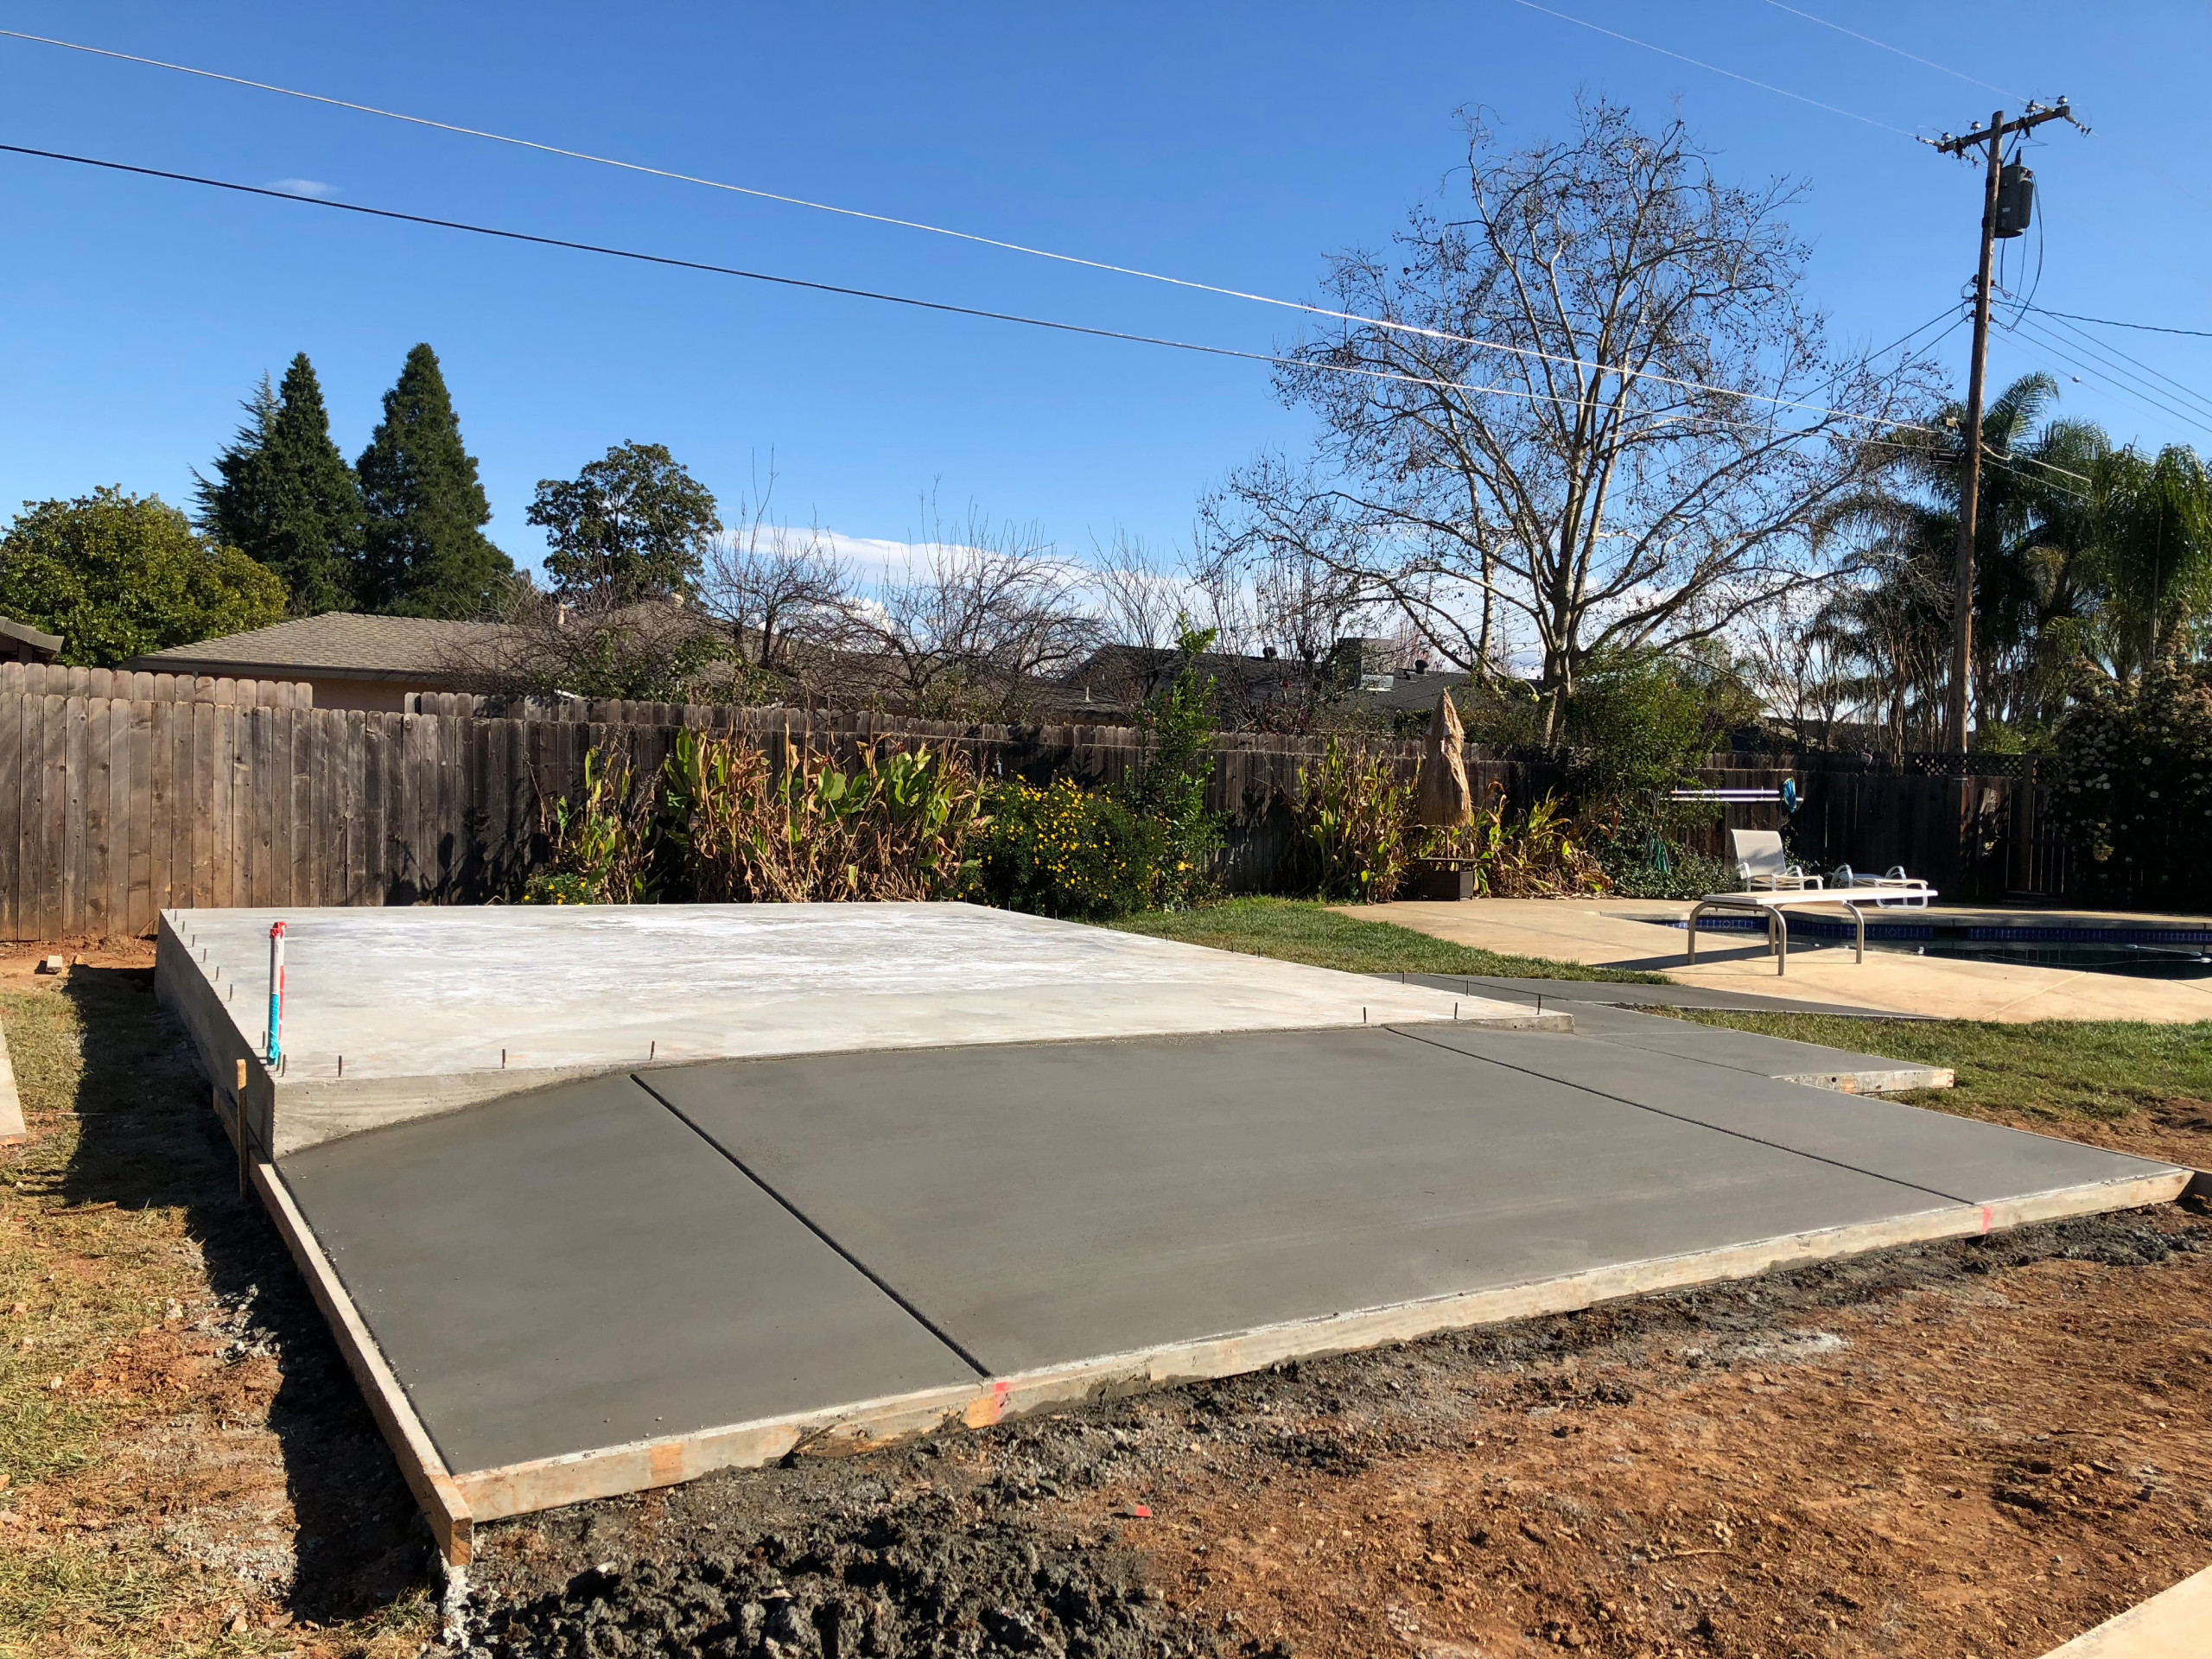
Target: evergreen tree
283,494
425,553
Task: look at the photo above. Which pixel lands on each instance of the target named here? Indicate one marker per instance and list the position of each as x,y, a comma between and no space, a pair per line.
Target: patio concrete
573,1269
1637,934
901,1167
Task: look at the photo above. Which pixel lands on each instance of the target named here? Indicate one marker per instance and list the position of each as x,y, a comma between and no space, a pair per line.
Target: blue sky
1233,143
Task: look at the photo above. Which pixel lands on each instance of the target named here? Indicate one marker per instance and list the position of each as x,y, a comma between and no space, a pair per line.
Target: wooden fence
124,794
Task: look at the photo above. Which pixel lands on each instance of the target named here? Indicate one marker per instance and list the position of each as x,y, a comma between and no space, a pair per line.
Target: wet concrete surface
637,1256
576,1268
1961,1159
1052,1203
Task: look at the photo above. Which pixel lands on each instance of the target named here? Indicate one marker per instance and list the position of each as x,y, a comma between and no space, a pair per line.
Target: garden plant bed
210,1482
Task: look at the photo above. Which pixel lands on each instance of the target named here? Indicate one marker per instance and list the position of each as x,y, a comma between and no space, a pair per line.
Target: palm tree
2147,562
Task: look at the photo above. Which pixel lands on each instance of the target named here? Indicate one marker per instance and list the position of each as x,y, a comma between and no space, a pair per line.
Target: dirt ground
1978,1448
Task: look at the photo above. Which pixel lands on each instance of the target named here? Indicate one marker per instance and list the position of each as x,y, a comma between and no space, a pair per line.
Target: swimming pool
2148,951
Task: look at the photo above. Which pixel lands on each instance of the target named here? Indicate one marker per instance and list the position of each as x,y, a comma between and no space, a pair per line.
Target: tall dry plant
900,825
1352,817
1537,854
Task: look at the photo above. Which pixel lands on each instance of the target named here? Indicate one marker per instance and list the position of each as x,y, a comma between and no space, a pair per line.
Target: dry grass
185,1466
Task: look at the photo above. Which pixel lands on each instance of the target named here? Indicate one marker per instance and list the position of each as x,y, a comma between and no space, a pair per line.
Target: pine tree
283,494
425,553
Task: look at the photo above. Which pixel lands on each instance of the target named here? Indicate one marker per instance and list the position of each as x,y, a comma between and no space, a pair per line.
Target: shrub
1063,850
2134,790
603,844
1538,854
1352,821
899,826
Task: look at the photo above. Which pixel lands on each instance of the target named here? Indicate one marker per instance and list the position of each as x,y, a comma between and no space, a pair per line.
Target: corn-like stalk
897,826
603,843
1353,818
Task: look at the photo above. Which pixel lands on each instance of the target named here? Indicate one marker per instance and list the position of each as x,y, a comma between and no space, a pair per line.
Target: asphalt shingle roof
337,642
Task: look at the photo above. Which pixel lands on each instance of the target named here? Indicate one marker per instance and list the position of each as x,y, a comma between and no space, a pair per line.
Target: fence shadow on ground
147,1136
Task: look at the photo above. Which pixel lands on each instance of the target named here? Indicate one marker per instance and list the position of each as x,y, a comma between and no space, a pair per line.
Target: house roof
413,648
23,634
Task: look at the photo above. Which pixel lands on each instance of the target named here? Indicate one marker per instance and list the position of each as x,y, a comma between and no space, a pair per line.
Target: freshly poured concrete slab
1600,1016
1957,1157
1046,1203
399,1013
1754,1052
575,1268
1629,993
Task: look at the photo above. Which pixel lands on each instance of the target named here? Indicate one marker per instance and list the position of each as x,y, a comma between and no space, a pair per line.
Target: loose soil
1980,1447
1975,1448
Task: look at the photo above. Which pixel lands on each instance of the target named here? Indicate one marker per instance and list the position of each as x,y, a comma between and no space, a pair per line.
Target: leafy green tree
116,575
284,496
632,525
425,552
1168,783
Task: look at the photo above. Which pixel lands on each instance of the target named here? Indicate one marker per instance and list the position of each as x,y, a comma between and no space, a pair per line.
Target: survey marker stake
275,992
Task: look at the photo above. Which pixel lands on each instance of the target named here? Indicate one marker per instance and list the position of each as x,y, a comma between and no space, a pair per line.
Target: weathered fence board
123,794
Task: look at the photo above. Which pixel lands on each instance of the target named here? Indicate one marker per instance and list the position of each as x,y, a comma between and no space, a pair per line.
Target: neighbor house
352,662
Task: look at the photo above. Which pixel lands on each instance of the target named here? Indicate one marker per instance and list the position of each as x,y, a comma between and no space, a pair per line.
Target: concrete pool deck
603,1284
1639,933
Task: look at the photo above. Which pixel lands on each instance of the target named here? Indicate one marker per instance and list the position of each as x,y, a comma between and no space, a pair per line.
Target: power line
2110,322
1714,68
943,307
1301,306
1926,63
2105,352
2106,377
2113,374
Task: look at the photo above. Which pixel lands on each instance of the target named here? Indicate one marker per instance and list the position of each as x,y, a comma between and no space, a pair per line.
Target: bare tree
594,646
1143,600
783,597
1795,667
1283,572
1597,406
980,618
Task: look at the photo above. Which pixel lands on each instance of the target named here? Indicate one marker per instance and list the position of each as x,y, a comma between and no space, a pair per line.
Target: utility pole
1994,188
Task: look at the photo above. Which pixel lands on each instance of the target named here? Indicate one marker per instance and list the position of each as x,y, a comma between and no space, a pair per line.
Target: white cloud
312,187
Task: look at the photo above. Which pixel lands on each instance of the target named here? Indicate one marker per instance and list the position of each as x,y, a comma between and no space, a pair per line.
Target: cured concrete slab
1044,1203
1639,934
575,1268
2175,1623
396,1014
1959,1157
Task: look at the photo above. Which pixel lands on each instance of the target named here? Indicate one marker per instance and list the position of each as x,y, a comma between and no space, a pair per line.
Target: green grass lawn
2055,1071
1298,930
2052,1069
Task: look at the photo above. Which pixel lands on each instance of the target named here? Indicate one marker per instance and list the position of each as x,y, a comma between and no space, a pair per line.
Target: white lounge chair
1915,893
1771,905
1761,867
